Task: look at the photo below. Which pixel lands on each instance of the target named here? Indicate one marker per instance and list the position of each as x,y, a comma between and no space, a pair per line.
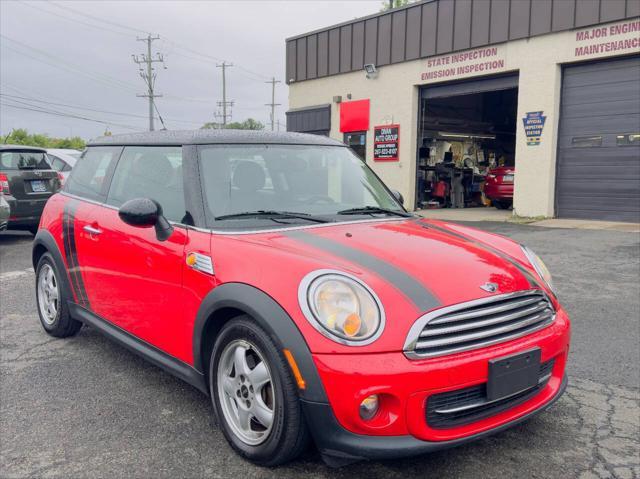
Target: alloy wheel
245,389
48,294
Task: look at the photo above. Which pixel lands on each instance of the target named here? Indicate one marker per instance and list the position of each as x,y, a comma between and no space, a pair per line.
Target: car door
84,190
134,280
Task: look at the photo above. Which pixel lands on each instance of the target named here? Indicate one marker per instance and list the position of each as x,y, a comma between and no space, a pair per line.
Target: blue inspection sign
533,125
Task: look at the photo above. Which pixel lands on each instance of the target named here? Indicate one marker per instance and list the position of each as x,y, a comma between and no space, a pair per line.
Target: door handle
91,230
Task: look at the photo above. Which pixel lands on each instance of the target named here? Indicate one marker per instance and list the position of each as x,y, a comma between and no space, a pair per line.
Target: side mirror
398,196
145,213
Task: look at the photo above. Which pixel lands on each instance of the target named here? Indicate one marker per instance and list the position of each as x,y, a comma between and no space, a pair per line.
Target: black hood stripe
413,289
533,282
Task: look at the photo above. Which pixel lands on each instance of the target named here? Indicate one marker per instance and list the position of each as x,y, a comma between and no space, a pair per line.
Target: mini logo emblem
490,287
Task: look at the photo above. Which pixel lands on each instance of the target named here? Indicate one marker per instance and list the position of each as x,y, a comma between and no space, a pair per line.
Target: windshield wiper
367,210
273,214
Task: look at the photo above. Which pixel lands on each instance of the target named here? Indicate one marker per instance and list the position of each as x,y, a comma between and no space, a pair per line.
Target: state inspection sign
386,143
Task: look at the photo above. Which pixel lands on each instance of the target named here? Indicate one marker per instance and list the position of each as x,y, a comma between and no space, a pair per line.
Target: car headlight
539,266
341,307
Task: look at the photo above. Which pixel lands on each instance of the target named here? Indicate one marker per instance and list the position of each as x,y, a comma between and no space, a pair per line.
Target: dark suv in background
27,182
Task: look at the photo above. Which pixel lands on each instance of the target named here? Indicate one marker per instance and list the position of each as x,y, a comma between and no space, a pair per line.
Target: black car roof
4,147
206,136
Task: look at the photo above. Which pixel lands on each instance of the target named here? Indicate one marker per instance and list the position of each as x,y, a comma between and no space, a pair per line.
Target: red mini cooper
277,274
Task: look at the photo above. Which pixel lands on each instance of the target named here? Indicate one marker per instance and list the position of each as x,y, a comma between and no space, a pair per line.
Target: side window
56,163
89,178
150,172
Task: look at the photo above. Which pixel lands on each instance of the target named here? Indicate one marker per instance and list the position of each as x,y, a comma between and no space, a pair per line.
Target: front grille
479,323
464,406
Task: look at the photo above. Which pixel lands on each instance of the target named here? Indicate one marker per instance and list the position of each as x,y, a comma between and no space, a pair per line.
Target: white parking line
9,275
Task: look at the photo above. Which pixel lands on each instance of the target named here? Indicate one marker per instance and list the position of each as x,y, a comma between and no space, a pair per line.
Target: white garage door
598,174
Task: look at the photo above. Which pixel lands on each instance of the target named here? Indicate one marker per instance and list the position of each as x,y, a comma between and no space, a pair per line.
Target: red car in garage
498,186
278,274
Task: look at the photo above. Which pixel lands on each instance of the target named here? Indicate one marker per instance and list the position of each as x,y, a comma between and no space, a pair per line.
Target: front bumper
339,446
404,387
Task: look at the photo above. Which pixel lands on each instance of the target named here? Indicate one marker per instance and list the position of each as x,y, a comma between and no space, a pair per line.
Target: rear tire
51,300
501,204
254,395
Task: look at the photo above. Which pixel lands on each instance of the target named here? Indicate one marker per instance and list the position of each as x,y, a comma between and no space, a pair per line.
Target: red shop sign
386,143
354,116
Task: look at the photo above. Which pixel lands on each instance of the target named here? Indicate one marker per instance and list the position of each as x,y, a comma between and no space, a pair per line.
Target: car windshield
22,160
269,185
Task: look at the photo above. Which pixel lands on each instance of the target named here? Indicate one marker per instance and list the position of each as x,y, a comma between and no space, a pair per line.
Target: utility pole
273,103
224,103
149,76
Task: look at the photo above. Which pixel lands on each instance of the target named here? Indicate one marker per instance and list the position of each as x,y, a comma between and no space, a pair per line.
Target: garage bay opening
466,144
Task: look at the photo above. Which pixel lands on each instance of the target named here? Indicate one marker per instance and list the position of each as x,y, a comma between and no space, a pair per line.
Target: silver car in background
63,161
5,211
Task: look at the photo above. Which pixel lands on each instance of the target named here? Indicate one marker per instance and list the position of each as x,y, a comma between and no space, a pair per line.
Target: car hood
432,264
413,265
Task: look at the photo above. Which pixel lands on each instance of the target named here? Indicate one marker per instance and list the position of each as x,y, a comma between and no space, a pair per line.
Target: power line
149,76
75,20
137,30
273,103
98,19
78,107
55,113
65,65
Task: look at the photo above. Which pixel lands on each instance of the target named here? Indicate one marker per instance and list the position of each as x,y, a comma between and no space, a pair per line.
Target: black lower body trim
343,447
159,358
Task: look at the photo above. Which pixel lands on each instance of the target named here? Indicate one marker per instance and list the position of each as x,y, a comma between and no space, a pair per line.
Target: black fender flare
44,239
272,318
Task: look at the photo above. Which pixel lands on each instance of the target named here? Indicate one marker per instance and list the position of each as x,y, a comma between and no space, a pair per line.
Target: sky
75,58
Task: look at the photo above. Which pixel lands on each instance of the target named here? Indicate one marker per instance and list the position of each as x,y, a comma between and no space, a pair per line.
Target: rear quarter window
92,173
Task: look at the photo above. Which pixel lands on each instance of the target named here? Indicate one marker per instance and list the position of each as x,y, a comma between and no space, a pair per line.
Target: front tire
51,299
254,395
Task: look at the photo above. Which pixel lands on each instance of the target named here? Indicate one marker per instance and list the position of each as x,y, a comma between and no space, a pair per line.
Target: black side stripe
67,251
71,254
413,289
533,282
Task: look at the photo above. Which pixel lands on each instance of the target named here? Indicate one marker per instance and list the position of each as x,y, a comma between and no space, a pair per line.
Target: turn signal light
294,369
191,259
351,325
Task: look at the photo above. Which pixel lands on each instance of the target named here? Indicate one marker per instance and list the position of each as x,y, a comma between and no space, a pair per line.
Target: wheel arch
44,242
233,299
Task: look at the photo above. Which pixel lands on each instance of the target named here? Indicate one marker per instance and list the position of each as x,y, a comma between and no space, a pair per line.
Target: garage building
441,97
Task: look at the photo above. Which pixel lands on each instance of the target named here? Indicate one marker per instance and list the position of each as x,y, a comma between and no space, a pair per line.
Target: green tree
248,124
21,136
391,4
212,125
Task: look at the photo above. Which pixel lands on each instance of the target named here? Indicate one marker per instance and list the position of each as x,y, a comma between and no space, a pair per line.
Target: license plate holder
513,374
38,186
507,179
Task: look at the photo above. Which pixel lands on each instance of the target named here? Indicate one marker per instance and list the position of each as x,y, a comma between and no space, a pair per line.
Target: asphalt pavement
84,407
